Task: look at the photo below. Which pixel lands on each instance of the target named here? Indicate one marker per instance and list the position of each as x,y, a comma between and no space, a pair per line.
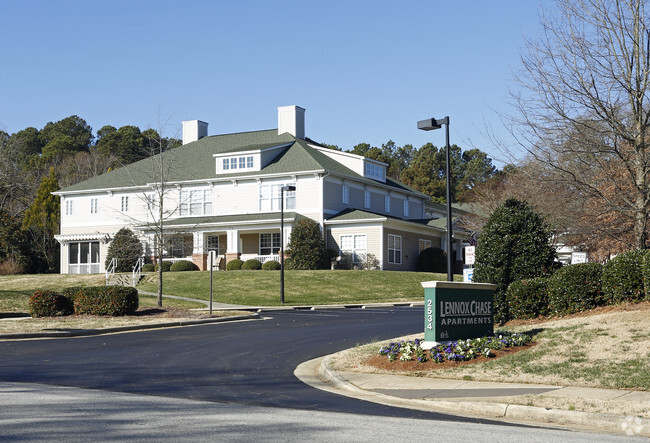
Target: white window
125,203
375,171
366,199
270,197
244,162
226,164
249,162
68,207
93,205
394,249
387,203
213,243
196,202
83,258
355,246
269,243
406,208
424,244
345,194
152,204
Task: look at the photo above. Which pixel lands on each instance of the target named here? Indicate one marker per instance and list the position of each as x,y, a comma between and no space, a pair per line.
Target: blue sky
365,71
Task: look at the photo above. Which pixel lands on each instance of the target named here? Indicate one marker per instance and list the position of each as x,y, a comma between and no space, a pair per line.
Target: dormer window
242,162
375,171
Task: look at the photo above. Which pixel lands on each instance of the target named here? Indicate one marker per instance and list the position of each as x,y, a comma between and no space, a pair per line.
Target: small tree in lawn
126,248
514,245
306,248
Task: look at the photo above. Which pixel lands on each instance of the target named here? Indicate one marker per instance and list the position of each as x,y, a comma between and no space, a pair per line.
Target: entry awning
101,236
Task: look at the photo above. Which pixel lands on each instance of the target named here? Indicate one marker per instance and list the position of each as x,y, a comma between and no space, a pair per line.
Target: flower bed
461,350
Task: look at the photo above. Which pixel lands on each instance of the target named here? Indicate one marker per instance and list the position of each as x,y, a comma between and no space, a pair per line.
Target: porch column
199,257
232,245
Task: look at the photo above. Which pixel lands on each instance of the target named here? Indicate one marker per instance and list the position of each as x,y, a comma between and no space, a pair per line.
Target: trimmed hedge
183,265
148,267
106,300
252,264
271,265
50,304
575,288
165,266
528,298
234,265
623,278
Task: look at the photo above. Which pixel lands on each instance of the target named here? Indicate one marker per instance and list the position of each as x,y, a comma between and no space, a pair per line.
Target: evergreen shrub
148,267
432,260
306,247
183,265
271,265
528,298
252,264
623,278
50,304
166,265
126,247
575,288
514,245
234,265
106,300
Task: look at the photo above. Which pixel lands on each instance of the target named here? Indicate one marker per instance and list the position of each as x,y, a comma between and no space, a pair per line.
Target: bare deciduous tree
584,115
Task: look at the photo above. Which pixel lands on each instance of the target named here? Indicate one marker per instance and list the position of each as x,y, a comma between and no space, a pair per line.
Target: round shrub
252,264
528,298
575,288
234,265
165,266
183,265
148,267
271,265
127,248
432,260
623,278
49,304
106,300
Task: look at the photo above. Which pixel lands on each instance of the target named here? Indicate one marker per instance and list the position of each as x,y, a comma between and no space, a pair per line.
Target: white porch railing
137,271
261,258
110,270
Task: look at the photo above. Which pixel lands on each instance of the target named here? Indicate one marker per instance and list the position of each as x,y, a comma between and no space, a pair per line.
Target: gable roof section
194,162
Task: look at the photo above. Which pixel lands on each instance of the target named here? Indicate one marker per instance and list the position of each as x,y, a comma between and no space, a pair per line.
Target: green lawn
262,288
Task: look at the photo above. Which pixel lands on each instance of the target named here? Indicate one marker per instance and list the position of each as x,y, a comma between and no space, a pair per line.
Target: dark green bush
646,276
183,265
252,264
106,300
575,288
528,298
514,245
234,265
148,267
165,266
432,260
623,278
50,304
306,247
271,265
127,248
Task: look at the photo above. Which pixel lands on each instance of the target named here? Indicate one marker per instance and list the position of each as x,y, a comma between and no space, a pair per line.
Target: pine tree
306,248
126,248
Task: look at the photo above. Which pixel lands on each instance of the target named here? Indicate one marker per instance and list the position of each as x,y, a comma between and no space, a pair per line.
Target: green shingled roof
195,162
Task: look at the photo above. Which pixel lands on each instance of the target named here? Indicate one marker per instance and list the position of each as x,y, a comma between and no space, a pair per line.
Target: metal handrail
137,271
110,270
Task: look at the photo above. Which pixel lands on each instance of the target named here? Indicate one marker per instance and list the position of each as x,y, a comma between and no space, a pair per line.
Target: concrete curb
89,332
636,426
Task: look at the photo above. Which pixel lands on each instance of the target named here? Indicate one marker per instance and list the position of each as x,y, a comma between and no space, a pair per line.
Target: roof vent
291,119
194,130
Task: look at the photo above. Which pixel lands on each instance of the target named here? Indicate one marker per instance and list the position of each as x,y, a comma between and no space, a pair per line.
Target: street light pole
428,125
287,188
